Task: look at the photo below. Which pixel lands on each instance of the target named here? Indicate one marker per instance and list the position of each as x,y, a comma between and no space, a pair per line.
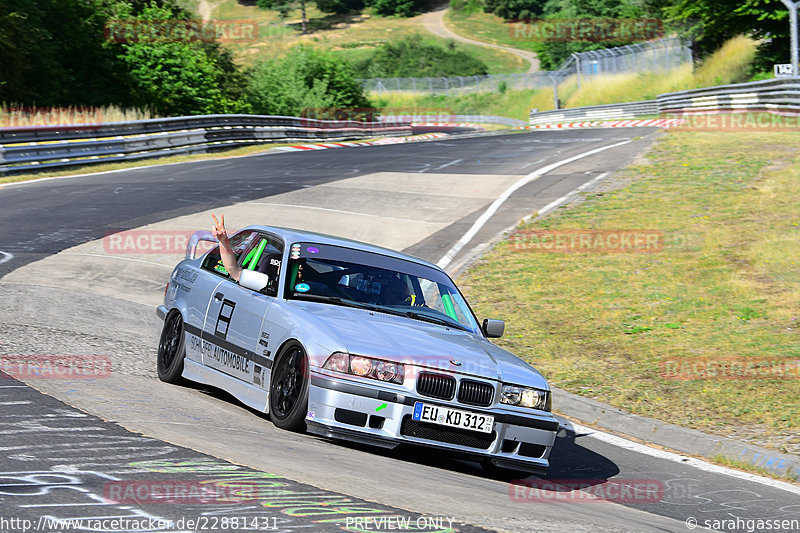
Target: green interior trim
447,301
249,257
293,273
258,251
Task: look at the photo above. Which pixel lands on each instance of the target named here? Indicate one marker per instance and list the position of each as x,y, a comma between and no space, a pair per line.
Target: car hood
424,344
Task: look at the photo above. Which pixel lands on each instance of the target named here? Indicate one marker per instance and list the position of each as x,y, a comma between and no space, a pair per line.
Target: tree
178,73
305,78
68,53
711,22
403,8
52,52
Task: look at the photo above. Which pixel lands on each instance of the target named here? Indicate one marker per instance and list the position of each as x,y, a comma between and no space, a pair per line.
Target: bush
304,78
181,77
467,7
403,8
414,57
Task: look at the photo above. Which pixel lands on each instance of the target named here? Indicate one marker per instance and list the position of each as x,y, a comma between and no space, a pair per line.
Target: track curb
672,436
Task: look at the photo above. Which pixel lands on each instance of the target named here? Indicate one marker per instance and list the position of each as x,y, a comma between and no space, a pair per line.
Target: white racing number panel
454,418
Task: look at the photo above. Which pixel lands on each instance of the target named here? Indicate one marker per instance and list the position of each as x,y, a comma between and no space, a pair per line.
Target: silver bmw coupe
353,341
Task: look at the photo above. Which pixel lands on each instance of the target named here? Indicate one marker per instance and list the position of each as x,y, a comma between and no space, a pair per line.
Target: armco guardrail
36,148
597,112
780,95
777,94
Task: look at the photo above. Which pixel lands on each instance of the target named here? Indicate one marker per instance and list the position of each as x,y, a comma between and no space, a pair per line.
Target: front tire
288,391
171,350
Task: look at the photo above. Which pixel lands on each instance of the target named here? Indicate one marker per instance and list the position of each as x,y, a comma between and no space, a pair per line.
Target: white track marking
492,209
5,257
626,444
453,162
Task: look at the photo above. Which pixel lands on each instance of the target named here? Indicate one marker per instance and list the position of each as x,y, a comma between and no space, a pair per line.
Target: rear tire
288,390
171,351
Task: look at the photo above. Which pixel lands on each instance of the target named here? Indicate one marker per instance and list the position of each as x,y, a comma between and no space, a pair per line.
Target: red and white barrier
656,123
377,142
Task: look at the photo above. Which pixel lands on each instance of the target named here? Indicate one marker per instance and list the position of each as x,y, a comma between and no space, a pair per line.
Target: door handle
219,296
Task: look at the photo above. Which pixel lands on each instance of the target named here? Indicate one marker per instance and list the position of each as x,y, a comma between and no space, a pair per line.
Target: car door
203,287
237,344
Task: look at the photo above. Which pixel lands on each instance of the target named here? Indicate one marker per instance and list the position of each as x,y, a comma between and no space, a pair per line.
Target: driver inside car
397,292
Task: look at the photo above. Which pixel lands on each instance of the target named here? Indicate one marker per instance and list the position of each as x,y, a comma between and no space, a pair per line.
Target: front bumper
356,411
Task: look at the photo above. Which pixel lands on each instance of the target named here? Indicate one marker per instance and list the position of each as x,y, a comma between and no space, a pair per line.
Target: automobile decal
226,351
224,319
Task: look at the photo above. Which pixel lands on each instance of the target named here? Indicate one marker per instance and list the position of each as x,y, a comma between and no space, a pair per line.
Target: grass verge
352,36
725,287
730,64
747,467
485,27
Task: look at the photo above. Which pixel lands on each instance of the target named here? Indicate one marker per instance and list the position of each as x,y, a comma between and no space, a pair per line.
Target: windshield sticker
302,287
312,250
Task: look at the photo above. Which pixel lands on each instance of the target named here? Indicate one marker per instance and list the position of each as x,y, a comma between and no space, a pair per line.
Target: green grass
485,27
747,467
352,36
728,65
726,285
513,104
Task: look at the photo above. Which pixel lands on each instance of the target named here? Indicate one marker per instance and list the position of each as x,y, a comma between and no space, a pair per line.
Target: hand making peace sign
219,230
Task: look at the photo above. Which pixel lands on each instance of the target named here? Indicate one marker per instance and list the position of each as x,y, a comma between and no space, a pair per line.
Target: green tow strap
447,301
256,255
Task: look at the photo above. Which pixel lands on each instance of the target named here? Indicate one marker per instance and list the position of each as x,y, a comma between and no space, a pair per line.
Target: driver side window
240,243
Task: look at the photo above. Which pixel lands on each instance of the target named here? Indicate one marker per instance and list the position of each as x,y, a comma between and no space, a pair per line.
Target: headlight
525,397
367,367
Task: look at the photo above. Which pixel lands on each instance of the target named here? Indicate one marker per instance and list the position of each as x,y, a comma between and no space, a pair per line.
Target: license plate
454,418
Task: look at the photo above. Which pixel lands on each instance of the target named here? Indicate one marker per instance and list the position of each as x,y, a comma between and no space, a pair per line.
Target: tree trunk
303,10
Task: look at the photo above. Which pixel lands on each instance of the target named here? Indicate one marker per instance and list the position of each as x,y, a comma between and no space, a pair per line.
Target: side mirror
255,281
493,328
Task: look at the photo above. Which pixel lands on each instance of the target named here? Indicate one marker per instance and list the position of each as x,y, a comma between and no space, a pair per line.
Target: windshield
345,276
